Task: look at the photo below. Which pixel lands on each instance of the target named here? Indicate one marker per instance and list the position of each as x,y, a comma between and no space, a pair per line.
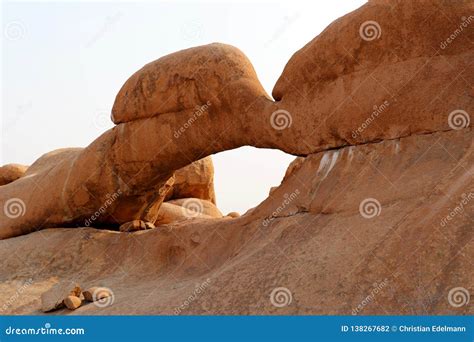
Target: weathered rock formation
185,209
312,236
198,205
53,299
345,87
195,180
381,207
11,172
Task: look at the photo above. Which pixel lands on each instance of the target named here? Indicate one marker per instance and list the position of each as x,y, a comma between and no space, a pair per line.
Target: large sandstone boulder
11,172
126,173
383,71
198,205
173,213
186,208
346,87
51,159
185,81
194,180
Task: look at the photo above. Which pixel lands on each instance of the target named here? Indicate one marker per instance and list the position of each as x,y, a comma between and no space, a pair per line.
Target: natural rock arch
326,92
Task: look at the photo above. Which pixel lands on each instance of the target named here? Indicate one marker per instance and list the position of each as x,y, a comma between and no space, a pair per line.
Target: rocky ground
375,216
310,237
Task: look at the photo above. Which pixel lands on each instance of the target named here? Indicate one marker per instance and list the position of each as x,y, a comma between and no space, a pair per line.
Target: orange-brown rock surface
11,172
380,73
173,213
55,172
198,205
376,219
53,299
345,87
195,180
311,237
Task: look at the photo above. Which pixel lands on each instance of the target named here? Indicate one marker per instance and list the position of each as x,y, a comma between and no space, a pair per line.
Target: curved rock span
375,216
343,88
386,230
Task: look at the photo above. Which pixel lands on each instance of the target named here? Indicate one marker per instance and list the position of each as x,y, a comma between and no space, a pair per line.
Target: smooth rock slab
54,297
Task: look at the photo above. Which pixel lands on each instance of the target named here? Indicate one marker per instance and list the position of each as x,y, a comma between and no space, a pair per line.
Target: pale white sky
64,62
